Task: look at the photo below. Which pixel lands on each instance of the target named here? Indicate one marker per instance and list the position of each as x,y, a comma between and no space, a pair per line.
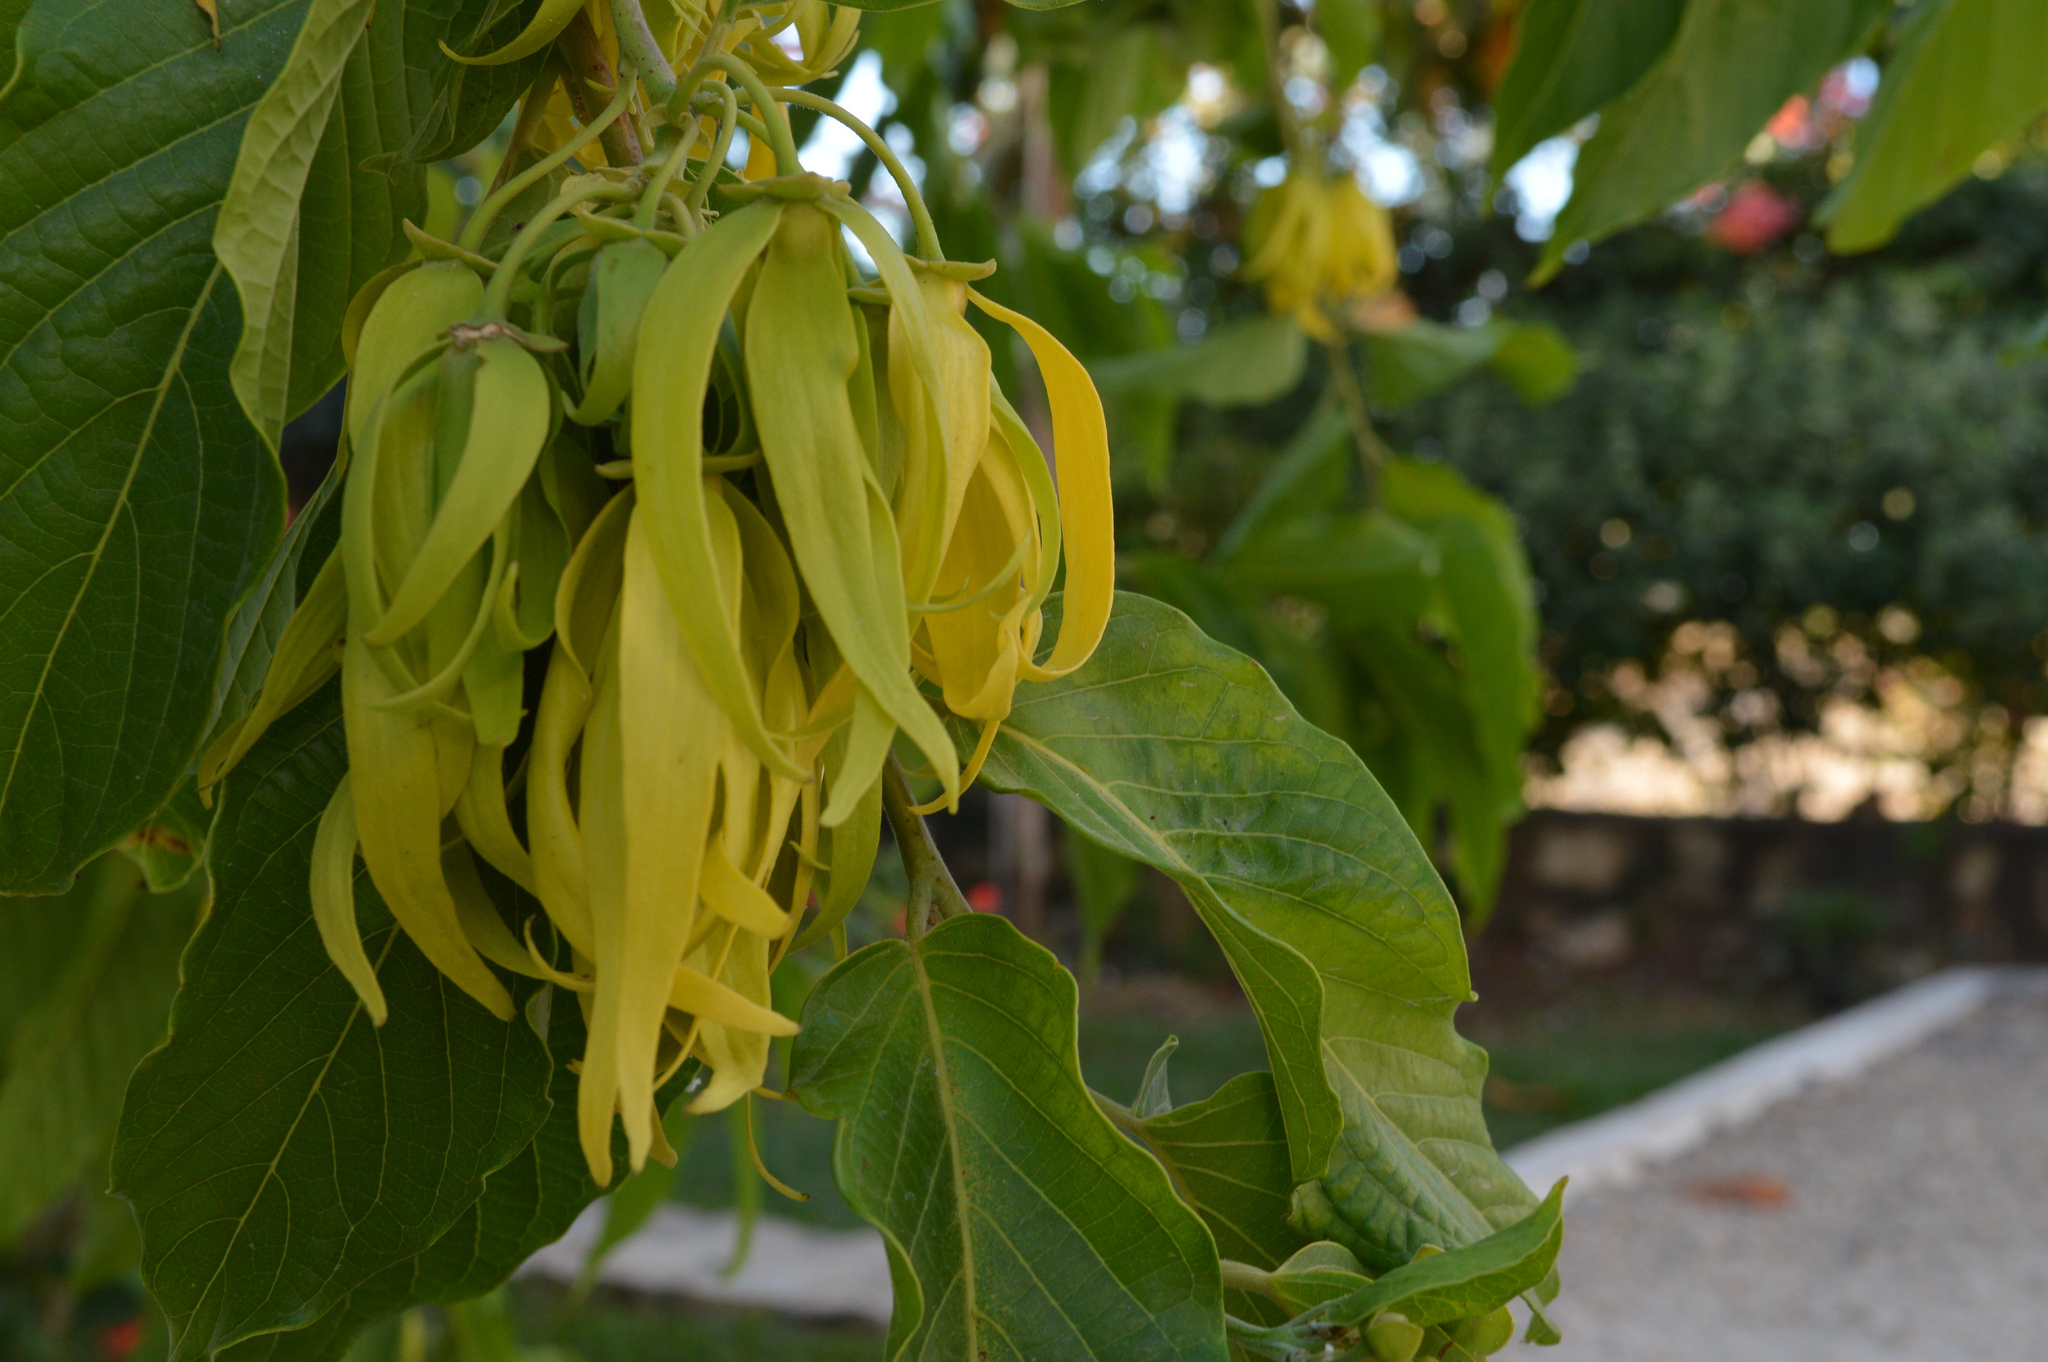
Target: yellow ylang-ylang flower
748,515
1318,244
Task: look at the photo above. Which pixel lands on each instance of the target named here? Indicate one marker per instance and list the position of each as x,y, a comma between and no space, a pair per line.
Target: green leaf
1227,1156
1019,1224
1124,70
1536,361
1317,1272
1965,75
1732,64
1306,669
1104,885
528,1203
466,104
171,846
1488,603
1468,1281
137,504
303,224
1332,557
1571,57
1351,30
1242,364
100,1007
1178,752
1425,357
260,620
281,1152
1421,358
1310,474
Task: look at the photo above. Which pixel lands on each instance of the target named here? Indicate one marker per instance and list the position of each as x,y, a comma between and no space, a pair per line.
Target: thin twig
1372,450
587,65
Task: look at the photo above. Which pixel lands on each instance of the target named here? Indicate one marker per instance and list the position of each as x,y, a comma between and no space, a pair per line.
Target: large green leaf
290,255
1310,475
1104,886
1728,69
1571,57
1019,1224
1227,1156
1426,357
1965,74
465,104
1336,557
1351,30
98,1007
322,183
1243,364
1489,605
528,1203
136,502
1178,752
279,1150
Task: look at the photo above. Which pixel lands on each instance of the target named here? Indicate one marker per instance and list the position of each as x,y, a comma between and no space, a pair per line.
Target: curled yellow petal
1080,438
546,25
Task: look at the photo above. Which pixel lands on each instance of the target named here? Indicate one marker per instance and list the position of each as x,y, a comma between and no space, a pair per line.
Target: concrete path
1901,1217
793,1269
1873,1188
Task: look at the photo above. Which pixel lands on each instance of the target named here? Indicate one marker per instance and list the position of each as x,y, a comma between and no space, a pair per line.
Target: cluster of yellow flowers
1317,243
757,514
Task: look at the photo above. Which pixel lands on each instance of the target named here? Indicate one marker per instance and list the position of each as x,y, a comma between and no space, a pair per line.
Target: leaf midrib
935,1039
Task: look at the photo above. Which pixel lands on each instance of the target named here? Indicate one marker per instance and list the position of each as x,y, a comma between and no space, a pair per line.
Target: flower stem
720,145
931,884
758,93
1372,450
498,296
927,235
638,50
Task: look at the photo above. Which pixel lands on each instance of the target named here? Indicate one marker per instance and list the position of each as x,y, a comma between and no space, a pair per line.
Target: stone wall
1848,907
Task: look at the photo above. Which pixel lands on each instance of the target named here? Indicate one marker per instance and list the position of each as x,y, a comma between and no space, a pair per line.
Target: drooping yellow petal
1081,452
738,1057
334,900
397,772
481,814
800,351
602,818
671,371
671,730
738,899
976,648
584,603
479,915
